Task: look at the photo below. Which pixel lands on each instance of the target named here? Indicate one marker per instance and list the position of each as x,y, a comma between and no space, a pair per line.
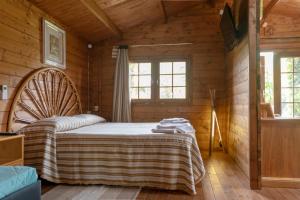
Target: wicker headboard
45,93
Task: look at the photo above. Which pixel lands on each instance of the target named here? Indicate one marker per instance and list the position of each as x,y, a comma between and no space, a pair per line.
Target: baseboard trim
278,182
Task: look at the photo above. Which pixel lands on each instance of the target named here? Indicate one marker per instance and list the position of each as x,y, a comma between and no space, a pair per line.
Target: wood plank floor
224,180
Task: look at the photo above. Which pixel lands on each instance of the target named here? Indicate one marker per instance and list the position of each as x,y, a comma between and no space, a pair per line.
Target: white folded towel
174,125
166,126
169,131
185,129
174,120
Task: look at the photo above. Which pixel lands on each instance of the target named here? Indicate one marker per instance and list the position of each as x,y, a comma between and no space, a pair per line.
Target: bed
89,151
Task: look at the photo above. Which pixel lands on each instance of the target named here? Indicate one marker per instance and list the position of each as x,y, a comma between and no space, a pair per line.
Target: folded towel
166,126
174,125
170,131
171,125
174,120
185,129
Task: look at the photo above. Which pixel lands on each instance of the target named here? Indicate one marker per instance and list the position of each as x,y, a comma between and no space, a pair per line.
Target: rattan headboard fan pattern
45,93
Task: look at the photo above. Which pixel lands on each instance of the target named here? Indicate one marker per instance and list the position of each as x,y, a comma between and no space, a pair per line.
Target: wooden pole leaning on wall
214,122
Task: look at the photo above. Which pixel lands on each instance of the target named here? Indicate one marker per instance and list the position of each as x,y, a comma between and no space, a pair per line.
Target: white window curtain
121,101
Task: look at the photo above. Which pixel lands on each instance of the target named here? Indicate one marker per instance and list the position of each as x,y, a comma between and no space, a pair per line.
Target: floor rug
99,192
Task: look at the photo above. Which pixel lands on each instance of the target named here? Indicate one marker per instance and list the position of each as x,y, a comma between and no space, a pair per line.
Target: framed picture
54,45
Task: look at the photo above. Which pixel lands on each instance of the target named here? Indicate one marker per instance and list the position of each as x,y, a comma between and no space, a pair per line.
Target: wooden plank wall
199,26
282,33
237,80
242,92
20,50
280,148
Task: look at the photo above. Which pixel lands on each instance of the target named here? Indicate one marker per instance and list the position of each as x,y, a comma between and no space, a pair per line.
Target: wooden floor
223,181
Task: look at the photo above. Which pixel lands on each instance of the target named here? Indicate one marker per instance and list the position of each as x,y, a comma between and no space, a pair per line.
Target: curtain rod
155,45
115,48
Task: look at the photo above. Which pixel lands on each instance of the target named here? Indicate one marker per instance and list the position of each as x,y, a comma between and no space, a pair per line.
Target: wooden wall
242,71
199,26
280,152
280,138
282,33
280,148
20,50
237,80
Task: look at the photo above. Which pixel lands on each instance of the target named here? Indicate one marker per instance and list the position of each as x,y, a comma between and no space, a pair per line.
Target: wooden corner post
254,92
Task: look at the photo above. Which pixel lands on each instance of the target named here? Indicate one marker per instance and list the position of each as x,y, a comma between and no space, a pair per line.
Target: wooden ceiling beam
93,7
267,10
163,10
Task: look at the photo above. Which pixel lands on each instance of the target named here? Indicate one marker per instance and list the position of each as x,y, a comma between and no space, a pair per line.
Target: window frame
277,81
141,60
155,79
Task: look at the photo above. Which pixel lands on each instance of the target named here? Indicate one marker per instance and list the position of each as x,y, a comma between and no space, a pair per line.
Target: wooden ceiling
288,8
96,20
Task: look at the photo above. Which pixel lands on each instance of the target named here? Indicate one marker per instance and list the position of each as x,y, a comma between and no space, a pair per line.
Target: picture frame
54,45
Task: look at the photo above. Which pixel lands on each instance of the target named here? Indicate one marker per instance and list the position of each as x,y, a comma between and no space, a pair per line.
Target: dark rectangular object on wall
240,15
228,29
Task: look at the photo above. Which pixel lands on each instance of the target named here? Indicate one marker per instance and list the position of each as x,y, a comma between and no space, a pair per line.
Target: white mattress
116,129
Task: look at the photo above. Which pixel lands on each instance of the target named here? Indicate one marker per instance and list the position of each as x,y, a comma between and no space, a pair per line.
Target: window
140,80
290,86
158,80
280,82
172,80
267,77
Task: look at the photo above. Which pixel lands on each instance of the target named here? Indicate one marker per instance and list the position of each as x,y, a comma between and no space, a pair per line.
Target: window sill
281,121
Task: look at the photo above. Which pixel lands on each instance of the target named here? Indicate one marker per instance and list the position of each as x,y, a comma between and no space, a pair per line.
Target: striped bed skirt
165,161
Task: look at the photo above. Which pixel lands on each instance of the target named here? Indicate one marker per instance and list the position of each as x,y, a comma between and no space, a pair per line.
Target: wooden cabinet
12,150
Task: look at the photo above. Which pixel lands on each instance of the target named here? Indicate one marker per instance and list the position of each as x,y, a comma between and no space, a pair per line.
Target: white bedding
115,129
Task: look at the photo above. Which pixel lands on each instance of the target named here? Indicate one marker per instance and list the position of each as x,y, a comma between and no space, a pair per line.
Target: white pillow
65,123
89,119
77,121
